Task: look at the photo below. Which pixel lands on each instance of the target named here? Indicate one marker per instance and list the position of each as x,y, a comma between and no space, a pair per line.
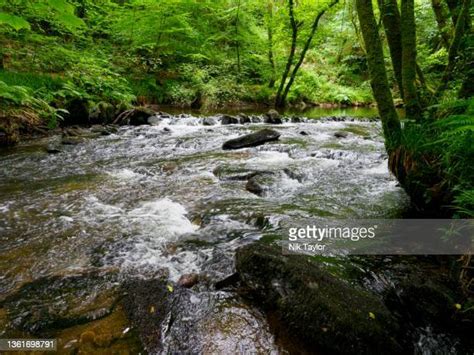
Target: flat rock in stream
173,319
61,301
322,311
252,139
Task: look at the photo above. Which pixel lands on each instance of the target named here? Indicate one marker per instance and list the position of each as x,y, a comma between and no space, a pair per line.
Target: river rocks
104,130
243,118
323,312
188,280
135,117
252,140
341,134
109,335
53,148
209,121
61,301
259,183
71,140
227,119
229,172
178,320
272,117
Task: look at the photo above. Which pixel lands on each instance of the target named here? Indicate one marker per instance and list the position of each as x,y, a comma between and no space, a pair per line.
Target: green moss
357,130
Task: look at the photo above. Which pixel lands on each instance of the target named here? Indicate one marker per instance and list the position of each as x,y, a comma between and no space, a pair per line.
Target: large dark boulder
227,119
252,140
176,320
323,312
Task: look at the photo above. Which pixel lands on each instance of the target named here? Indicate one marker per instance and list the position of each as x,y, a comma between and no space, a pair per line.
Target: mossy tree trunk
298,64
271,57
391,23
462,25
279,102
442,16
408,30
378,75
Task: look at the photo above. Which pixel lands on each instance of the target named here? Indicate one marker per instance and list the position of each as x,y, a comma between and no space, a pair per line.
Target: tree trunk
391,23
271,57
453,6
408,30
441,15
237,37
467,87
378,75
305,50
454,48
294,35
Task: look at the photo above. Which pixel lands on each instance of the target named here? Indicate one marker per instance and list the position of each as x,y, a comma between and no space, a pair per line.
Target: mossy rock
322,311
357,130
61,301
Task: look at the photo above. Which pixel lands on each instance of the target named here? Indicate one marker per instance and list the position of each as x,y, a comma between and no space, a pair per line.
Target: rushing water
166,196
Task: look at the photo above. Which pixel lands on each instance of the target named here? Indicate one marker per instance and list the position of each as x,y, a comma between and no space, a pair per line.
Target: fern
16,22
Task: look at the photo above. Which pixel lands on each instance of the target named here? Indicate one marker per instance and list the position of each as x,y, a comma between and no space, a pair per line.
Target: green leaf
16,22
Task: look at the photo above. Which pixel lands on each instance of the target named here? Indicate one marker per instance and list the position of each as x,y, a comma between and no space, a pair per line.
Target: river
160,199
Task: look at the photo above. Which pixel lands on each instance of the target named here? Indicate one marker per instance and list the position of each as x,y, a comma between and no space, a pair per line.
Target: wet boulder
320,310
179,320
188,280
227,119
209,121
252,139
61,301
243,118
341,134
259,183
272,117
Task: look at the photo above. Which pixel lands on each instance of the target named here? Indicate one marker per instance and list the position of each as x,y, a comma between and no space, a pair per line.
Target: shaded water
165,198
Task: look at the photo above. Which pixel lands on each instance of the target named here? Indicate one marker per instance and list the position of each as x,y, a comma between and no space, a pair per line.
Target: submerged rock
260,182
252,140
319,309
61,301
